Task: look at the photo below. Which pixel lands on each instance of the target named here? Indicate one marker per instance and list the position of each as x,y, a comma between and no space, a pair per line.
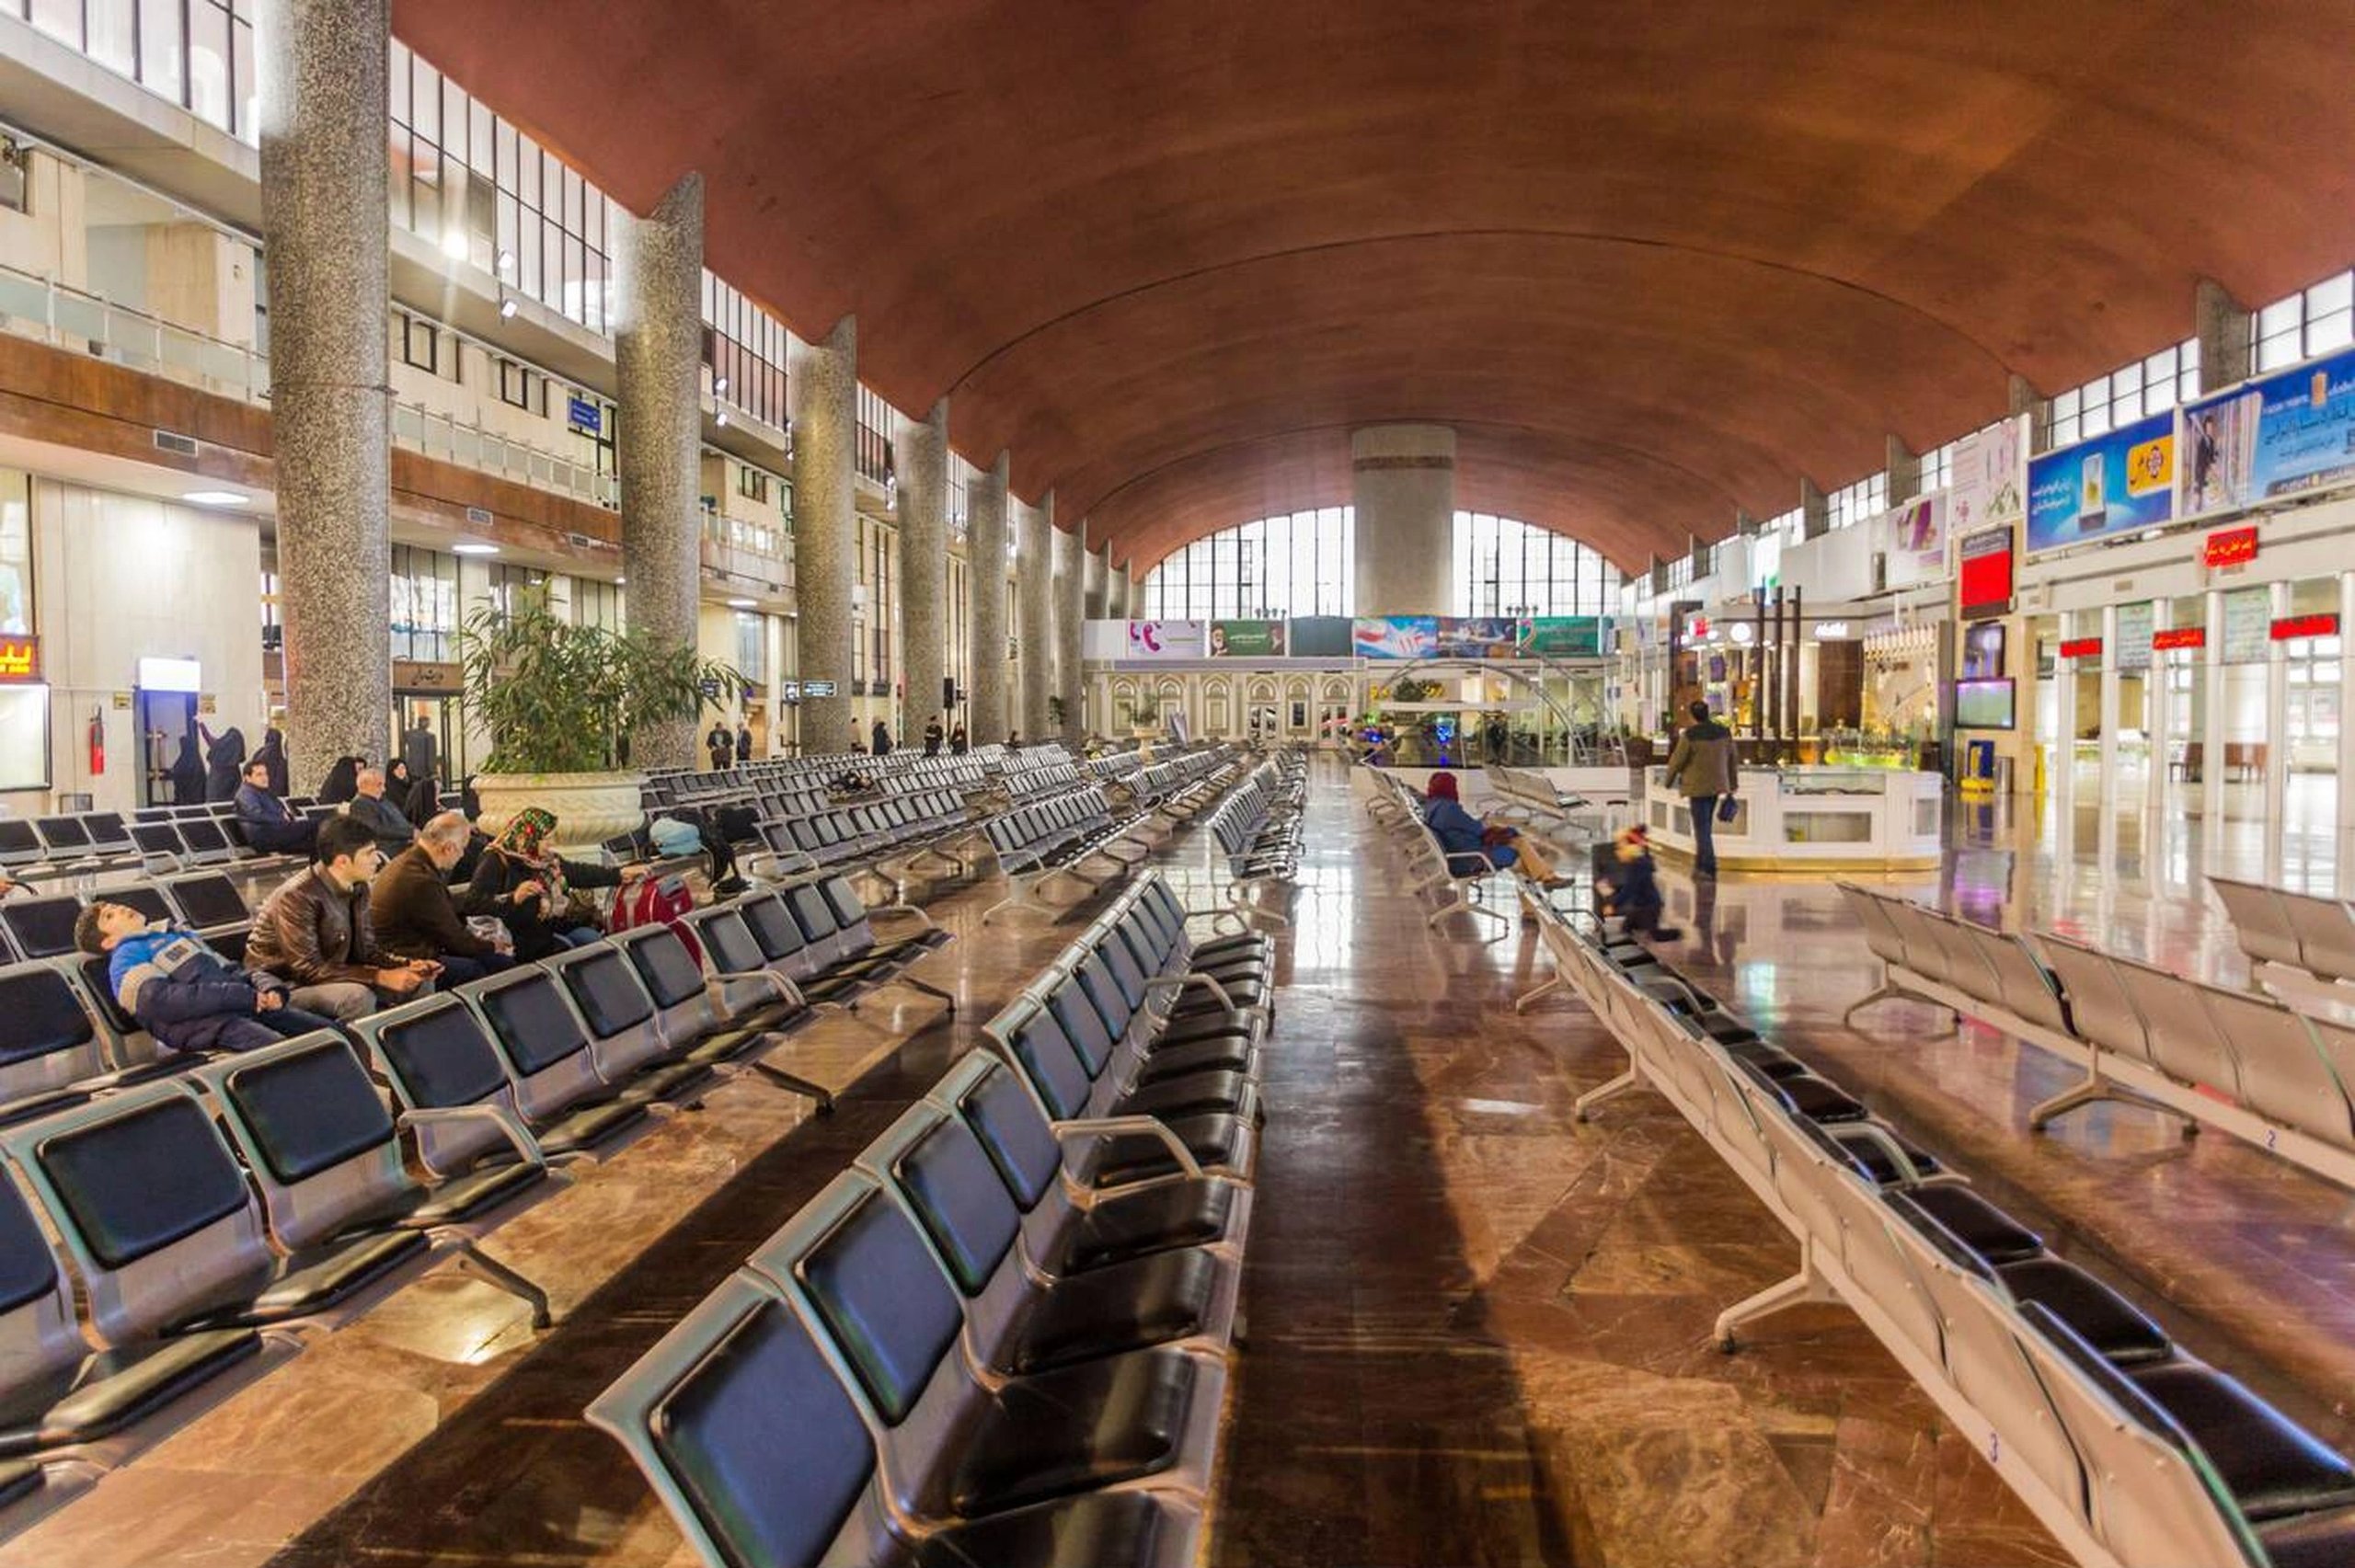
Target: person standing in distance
1703,764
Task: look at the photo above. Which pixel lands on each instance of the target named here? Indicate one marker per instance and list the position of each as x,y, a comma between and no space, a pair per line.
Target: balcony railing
45,311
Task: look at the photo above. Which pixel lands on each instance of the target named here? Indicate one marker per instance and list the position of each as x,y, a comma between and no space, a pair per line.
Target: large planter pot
588,808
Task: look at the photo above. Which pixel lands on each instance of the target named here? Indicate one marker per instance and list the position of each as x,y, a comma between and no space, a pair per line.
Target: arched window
1507,568
1293,563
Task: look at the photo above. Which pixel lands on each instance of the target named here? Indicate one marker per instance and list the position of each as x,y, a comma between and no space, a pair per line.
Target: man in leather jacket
315,932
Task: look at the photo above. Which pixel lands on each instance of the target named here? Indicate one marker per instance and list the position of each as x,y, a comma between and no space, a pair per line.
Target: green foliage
559,698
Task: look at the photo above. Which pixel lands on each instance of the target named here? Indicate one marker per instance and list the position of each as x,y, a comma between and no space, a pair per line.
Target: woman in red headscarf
1465,838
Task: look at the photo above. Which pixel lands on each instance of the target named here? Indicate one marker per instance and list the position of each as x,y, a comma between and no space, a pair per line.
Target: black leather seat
1978,1224
1212,1053
441,1056
2103,1318
613,1003
2325,1539
1101,1530
2270,1465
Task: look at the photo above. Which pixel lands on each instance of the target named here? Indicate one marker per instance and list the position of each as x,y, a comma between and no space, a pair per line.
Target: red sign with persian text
2229,548
2083,648
2179,637
2291,628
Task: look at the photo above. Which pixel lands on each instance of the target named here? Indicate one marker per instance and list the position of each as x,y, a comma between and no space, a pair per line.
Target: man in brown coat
414,914
314,931
1704,765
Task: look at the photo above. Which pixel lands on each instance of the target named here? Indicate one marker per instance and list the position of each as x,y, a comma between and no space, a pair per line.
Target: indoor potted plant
560,702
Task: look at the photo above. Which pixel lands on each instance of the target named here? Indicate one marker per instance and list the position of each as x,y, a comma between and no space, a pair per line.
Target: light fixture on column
719,384
723,416
453,243
506,261
506,307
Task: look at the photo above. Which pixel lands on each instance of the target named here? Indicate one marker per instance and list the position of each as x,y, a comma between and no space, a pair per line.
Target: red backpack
657,900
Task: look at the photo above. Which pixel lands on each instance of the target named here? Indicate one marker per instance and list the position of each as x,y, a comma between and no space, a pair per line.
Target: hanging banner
1246,639
1989,478
1476,637
2117,483
1166,639
2134,625
2283,435
1561,636
1394,637
1913,540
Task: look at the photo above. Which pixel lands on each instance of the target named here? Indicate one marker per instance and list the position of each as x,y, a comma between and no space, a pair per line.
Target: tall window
1507,568
198,53
1293,563
492,198
1853,504
874,437
2311,322
752,645
596,603
2130,393
425,604
747,350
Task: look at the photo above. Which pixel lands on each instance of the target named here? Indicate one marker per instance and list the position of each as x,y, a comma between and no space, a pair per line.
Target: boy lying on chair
186,995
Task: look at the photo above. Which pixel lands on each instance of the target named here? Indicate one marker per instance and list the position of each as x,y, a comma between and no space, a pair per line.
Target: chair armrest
507,1123
1208,982
785,988
1151,1127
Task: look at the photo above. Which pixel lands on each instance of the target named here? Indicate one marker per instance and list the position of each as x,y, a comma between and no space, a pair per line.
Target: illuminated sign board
1985,578
2081,647
2229,548
2179,637
817,688
19,659
171,675
2291,628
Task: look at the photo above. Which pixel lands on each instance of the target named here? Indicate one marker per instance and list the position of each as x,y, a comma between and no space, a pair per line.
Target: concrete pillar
1815,510
2222,324
325,220
985,600
1071,613
1904,468
2020,397
658,354
822,391
1403,483
921,461
1034,615
1099,590
1124,594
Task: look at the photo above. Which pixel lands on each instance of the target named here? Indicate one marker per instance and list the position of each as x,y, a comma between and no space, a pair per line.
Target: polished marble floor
1479,1331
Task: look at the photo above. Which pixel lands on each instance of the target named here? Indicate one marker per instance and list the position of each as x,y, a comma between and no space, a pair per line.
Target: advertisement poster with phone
2117,483
2281,436
1166,639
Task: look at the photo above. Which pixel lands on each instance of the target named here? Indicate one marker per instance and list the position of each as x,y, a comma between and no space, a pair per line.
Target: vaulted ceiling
1654,260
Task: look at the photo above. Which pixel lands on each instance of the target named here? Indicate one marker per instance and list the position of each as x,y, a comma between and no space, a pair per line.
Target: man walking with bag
1704,765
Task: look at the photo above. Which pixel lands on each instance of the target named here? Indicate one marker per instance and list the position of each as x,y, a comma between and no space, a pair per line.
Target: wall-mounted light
506,307
719,384
723,415
742,604
474,549
507,261
454,245
217,497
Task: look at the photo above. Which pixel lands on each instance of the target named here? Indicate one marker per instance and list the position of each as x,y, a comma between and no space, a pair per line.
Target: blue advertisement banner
2113,485
2279,436
1394,637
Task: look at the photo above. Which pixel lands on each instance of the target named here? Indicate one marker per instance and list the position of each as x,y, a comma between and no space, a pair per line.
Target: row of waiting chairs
2133,1451
1452,884
2291,936
2236,1060
887,837
1060,838
1177,786
1258,830
989,1341
1049,778
204,1214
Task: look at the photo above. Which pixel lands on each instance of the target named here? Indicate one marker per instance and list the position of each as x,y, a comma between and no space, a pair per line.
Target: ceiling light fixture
742,604
217,497
472,549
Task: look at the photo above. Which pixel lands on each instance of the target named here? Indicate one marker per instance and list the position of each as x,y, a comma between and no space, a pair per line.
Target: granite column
921,461
1402,482
1034,611
1071,613
658,361
822,386
985,600
323,76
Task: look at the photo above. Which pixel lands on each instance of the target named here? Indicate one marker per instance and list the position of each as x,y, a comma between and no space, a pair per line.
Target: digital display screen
1983,704
1987,578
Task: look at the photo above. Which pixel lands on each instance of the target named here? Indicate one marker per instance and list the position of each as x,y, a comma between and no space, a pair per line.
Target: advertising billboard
1562,637
1394,637
2282,435
1320,636
1246,639
1167,639
1913,540
2117,483
1477,637
1989,478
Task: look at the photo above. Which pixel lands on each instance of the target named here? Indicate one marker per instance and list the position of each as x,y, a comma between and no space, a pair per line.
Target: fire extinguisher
97,741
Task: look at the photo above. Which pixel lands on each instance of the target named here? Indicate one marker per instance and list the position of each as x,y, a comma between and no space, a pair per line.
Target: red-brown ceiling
1655,261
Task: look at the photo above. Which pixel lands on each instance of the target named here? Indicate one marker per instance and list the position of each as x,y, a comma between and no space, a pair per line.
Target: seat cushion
588,1126
2322,1539
1212,1024
1117,1529
1240,944
1126,1157
1874,1161
1978,1224
19,1480
1073,1430
1820,1101
2116,1328
2271,1467
1227,1053
1192,1095
477,1192
1772,1060
666,1081
1182,1214
106,1392
1121,1307
314,1279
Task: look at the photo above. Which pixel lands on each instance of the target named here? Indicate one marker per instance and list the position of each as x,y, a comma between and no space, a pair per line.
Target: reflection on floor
1477,1333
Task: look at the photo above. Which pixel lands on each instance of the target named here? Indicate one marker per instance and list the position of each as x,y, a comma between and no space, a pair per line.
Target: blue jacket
1457,830
179,990
260,806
